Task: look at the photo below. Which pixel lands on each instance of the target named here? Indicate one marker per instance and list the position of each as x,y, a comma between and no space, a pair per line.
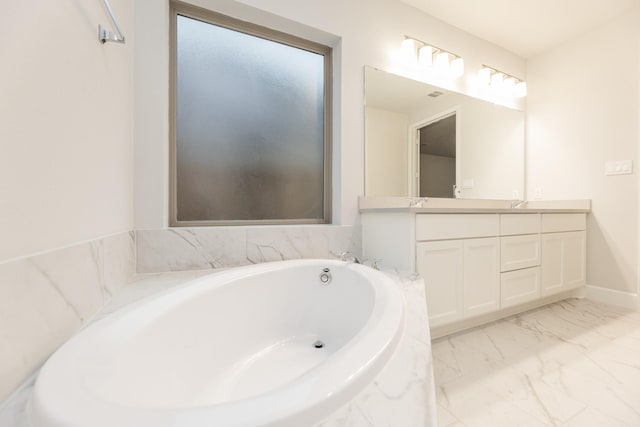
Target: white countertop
439,205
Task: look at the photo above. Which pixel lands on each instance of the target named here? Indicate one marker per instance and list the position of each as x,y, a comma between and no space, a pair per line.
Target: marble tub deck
572,363
402,394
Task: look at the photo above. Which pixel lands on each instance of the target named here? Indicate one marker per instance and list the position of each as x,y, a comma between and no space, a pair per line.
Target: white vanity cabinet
564,245
481,264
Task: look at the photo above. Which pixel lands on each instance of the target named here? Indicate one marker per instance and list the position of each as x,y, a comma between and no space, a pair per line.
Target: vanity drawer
518,252
455,226
520,286
553,223
511,224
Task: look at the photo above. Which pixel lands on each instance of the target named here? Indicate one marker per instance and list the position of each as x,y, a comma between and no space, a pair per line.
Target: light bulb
508,86
425,56
496,80
457,68
442,62
484,75
520,90
408,49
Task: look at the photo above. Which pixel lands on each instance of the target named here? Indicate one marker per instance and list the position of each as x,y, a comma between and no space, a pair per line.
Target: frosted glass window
250,128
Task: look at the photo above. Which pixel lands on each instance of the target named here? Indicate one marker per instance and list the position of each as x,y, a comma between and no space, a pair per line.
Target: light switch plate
618,167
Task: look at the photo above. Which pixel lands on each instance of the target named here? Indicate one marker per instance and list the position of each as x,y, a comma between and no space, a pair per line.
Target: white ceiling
524,27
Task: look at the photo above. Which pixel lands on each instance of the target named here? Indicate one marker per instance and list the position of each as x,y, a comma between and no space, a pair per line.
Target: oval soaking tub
265,345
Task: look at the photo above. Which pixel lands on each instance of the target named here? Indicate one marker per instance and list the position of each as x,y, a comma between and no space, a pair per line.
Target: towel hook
105,35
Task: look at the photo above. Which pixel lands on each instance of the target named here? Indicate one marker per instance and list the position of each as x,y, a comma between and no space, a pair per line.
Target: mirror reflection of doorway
438,157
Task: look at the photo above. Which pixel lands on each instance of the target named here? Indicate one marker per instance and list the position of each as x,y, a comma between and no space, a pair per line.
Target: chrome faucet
374,263
348,256
418,203
518,204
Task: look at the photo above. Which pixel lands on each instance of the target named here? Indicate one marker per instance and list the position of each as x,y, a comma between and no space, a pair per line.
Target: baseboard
464,324
613,297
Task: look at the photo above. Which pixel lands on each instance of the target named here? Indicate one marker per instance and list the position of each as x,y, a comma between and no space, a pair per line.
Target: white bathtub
234,348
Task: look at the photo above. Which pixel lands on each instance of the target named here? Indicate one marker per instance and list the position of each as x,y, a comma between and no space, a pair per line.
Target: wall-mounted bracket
105,35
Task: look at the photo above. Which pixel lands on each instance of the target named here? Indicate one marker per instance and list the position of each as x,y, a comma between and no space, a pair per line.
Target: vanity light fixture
427,55
503,83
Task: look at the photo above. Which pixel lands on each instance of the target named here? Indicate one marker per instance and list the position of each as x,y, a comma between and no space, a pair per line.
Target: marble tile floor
571,363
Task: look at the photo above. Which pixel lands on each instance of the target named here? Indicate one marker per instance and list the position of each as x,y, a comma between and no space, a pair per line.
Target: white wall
491,151
66,141
364,32
583,108
386,161
151,110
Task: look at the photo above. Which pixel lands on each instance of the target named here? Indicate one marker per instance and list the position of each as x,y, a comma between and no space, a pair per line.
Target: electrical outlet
537,193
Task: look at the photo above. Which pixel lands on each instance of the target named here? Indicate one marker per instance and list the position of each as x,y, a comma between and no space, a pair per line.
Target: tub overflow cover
318,344
325,276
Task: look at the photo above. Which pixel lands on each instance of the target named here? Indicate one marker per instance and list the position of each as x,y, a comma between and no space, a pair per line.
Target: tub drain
318,344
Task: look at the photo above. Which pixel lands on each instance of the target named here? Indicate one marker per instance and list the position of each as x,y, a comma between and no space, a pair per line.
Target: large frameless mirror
426,141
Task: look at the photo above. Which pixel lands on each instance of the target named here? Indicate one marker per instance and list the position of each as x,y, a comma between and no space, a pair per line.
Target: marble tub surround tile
178,249
572,363
403,393
283,243
35,318
75,273
45,298
119,260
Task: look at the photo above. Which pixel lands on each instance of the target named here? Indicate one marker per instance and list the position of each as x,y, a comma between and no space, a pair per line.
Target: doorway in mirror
437,157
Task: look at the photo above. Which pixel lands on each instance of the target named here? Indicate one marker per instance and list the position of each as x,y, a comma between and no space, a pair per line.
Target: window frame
215,18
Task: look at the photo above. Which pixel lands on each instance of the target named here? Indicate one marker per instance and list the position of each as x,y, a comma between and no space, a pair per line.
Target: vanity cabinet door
461,277
481,280
440,265
551,262
574,259
563,261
